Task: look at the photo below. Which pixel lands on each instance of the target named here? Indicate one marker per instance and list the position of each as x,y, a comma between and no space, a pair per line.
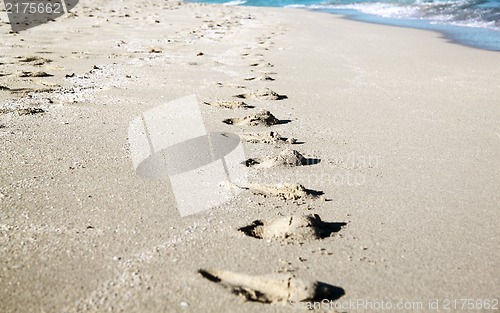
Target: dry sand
404,123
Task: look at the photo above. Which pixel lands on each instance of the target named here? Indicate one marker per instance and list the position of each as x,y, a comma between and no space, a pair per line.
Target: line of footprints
274,288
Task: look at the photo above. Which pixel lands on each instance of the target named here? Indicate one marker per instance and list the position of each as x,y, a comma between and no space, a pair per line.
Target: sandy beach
381,196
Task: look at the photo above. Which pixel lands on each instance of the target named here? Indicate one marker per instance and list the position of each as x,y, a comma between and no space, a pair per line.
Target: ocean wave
460,13
477,21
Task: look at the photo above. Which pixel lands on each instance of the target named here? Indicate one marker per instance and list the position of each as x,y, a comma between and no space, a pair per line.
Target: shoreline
448,36
406,133
451,32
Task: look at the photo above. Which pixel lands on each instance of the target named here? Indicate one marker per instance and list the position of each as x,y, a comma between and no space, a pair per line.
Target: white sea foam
457,13
470,23
382,9
235,2
297,6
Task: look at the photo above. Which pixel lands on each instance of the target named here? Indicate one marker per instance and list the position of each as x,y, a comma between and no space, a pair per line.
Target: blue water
474,23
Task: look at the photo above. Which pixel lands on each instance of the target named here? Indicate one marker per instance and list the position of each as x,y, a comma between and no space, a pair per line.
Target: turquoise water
473,23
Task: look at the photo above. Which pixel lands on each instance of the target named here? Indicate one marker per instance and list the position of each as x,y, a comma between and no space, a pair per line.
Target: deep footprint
278,288
262,78
284,191
287,158
264,94
292,228
261,65
230,104
263,118
34,74
270,137
34,60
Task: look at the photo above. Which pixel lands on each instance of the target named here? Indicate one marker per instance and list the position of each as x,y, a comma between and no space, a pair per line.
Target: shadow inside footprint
251,230
264,118
264,94
314,193
263,78
209,276
292,228
311,161
284,289
285,192
325,229
324,291
251,162
287,158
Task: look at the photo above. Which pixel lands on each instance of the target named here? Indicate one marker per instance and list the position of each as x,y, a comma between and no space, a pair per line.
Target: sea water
473,23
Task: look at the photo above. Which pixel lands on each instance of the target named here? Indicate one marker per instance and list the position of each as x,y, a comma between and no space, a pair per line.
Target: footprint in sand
155,50
34,74
34,60
277,288
263,118
23,111
231,104
270,137
287,158
245,54
25,91
264,37
261,65
261,78
231,85
283,191
292,228
264,94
